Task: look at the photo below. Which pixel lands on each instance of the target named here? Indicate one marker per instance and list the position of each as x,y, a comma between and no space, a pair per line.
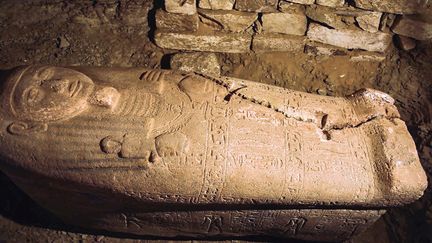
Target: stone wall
240,26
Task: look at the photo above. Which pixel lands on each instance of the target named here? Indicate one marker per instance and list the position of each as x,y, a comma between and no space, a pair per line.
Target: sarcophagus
170,154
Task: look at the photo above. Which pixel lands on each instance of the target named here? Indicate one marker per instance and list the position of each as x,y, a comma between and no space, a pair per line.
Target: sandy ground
116,33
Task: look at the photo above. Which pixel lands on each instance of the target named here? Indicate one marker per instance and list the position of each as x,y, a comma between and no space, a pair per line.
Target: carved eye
33,95
45,73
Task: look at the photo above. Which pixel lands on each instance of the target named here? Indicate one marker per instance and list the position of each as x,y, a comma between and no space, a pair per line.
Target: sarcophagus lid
154,152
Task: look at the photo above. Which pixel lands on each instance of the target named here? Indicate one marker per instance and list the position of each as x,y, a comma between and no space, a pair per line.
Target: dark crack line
320,124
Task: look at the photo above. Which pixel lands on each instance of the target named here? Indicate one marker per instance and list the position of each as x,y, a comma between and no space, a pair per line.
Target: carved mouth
74,88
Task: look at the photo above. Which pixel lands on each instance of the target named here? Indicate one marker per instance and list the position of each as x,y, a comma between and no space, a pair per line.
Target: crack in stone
234,90
360,123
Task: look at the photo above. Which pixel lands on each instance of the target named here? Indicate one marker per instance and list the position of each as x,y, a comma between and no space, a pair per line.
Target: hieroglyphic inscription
218,114
294,225
294,167
359,150
213,223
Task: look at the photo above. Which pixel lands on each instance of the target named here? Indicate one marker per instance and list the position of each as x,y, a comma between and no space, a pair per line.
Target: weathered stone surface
331,3
89,143
277,42
233,21
256,5
367,57
329,16
216,4
405,43
416,27
176,22
293,8
284,23
319,49
370,21
306,2
211,42
201,62
181,6
394,6
350,39
387,21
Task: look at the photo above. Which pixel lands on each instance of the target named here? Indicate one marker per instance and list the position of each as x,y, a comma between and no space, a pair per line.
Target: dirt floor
116,33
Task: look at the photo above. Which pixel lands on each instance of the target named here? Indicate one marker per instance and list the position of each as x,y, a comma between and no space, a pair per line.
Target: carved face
50,93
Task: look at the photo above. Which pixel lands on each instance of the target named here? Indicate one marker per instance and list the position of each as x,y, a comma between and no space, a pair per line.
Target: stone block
350,39
176,22
233,21
305,2
216,4
256,5
367,57
201,62
293,8
284,23
211,42
416,27
394,6
319,49
330,16
181,6
277,43
370,21
405,43
331,3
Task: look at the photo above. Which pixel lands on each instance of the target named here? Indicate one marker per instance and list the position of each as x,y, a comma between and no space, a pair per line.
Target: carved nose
59,86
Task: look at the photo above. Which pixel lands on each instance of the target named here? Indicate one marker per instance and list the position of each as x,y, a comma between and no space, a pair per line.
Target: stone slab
201,62
176,22
318,50
331,3
405,43
228,20
306,2
210,42
284,23
329,16
277,43
350,39
293,8
216,4
370,21
413,26
367,57
180,6
394,6
261,6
